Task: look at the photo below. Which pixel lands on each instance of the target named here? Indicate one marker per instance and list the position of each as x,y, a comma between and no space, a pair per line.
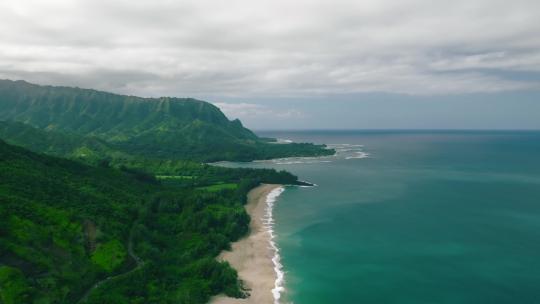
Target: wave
343,152
359,154
268,222
351,152
283,141
343,145
301,162
312,184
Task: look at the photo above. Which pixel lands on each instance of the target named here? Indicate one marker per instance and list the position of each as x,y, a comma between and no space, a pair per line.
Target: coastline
255,256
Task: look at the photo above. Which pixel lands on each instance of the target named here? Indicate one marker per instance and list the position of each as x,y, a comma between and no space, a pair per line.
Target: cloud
250,111
273,48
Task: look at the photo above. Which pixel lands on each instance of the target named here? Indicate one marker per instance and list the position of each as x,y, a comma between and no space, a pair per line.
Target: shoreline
255,257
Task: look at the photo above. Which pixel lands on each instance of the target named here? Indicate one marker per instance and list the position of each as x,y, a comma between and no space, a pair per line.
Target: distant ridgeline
82,123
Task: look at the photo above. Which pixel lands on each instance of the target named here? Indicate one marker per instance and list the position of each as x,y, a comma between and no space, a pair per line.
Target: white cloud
272,48
249,112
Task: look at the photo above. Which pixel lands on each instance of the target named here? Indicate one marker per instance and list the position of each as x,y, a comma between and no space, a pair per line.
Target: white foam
342,151
296,162
268,222
344,145
283,141
312,184
358,155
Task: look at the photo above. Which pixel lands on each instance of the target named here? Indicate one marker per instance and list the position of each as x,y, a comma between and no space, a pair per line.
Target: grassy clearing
174,177
219,187
109,255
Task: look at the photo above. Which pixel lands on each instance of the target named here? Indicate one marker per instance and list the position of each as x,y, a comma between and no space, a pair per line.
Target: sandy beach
252,255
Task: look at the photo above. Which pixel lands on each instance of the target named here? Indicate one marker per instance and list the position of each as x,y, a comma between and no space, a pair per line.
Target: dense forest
107,198
67,225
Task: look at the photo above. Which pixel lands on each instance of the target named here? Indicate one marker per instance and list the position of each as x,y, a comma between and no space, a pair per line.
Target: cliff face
91,112
179,128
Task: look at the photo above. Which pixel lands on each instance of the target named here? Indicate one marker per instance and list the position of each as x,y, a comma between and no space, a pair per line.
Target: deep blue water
427,217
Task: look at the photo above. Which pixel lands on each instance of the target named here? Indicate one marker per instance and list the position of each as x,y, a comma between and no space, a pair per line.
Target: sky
275,64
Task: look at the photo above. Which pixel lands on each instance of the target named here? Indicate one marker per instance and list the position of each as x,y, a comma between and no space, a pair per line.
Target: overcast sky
293,64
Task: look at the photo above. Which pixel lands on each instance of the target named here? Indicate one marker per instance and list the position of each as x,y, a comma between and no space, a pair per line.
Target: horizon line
393,129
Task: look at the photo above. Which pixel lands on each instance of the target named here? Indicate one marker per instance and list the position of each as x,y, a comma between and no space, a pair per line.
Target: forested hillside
106,198
67,226
171,128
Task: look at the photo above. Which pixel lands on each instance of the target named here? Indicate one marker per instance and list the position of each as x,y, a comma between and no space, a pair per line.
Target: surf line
268,222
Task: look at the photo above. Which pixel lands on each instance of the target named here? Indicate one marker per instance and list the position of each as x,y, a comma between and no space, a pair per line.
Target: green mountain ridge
166,127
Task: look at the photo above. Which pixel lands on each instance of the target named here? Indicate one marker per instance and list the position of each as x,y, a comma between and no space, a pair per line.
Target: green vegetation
105,198
67,226
219,187
89,149
89,124
174,177
13,286
109,255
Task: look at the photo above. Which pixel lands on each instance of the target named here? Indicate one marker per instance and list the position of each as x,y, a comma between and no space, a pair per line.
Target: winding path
138,261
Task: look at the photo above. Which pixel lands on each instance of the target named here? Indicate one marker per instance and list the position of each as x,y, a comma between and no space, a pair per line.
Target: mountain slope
91,149
58,217
181,128
66,226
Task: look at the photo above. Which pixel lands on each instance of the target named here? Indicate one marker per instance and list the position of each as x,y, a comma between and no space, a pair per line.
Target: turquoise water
427,217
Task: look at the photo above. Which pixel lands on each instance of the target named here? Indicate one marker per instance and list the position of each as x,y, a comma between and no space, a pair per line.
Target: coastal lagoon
411,217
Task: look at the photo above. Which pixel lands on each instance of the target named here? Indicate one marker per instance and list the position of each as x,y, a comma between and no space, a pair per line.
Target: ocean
411,217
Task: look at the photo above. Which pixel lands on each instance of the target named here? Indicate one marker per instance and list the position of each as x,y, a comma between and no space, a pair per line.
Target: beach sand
252,255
